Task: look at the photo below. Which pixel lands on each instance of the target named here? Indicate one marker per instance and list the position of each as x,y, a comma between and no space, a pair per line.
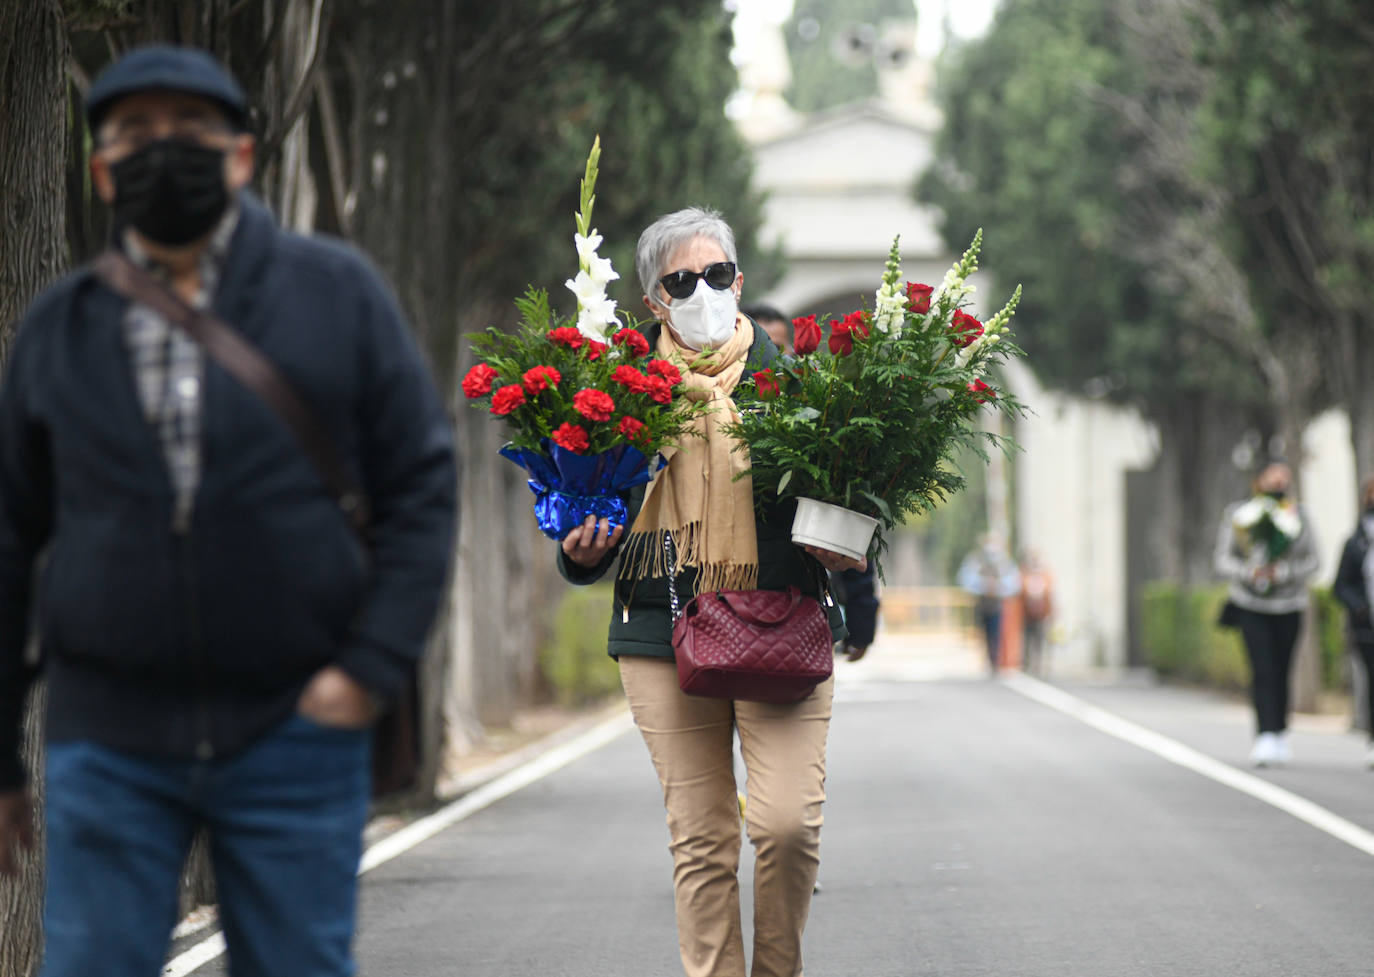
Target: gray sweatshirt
1237,559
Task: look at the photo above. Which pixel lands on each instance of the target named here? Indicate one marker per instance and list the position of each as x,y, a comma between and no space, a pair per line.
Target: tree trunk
1361,408
33,149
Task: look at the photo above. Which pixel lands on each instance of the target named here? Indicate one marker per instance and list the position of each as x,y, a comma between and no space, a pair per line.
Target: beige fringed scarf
697,499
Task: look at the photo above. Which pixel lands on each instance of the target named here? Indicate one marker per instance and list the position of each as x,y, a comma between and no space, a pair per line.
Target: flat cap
168,68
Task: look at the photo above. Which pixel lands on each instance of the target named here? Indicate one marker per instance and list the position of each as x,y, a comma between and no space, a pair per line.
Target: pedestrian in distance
1354,587
220,623
1267,550
1037,606
989,574
773,322
700,527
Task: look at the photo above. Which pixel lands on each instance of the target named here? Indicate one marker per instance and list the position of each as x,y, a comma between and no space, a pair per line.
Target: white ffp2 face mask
706,318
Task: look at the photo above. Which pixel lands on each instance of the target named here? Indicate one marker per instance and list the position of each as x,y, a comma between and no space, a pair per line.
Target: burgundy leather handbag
756,645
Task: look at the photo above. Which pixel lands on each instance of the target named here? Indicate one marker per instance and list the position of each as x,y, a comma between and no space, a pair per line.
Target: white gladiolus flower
585,288
594,317
600,271
586,246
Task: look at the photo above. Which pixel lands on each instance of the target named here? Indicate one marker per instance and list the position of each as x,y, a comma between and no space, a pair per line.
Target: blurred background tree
1134,169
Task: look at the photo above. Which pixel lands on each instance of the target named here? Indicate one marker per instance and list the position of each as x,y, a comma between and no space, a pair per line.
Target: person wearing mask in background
773,322
217,638
1354,587
1037,605
990,575
1267,550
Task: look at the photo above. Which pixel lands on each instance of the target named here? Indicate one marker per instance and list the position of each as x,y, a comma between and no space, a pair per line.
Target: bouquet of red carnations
589,407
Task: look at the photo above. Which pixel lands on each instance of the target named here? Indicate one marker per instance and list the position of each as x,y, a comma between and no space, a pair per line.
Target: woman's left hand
835,561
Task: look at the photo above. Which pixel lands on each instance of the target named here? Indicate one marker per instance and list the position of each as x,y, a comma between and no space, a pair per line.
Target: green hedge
574,660
1332,635
1182,641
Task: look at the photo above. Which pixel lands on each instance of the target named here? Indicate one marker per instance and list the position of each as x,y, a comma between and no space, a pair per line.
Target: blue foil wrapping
569,487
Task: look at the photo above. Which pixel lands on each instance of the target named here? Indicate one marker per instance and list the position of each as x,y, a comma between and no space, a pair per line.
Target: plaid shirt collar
212,259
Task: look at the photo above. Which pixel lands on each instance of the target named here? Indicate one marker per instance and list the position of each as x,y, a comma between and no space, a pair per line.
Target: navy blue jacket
192,643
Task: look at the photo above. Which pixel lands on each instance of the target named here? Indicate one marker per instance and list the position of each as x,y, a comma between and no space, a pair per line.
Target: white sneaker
1283,748
1265,751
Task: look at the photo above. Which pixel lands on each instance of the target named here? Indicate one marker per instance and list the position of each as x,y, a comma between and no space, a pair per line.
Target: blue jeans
285,818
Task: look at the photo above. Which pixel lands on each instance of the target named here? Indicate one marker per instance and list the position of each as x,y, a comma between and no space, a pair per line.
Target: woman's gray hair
665,235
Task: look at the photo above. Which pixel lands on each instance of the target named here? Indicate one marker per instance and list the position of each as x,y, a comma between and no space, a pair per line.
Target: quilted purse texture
758,645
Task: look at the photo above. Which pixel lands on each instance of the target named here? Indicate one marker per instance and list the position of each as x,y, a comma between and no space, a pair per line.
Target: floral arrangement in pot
862,427
588,407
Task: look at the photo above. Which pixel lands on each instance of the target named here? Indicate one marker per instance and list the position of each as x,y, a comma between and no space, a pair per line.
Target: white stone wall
1070,506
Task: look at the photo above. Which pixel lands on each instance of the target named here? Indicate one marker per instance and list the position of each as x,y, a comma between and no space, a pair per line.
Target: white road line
196,957
429,826
1189,758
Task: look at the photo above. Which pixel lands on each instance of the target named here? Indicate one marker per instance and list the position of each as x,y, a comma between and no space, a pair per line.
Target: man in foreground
218,633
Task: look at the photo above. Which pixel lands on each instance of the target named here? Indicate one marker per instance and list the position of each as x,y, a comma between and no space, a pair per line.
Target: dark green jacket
641,622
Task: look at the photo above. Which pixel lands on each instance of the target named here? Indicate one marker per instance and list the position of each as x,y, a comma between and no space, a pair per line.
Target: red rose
572,437
594,405
981,391
632,429
595,349
666,370
844,331
964,329
568,336
478,381
660,390
918,298
806,335
541,378
507,399
767,384
631,379
639,346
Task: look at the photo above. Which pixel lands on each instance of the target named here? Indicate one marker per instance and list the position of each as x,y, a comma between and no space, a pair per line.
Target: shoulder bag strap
243,361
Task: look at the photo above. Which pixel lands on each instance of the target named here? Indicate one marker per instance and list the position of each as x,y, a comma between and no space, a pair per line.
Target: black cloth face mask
171,191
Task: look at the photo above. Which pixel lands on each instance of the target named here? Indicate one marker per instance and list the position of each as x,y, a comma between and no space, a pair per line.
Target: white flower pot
833,528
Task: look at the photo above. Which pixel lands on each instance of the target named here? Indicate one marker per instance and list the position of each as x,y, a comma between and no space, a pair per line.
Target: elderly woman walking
699,521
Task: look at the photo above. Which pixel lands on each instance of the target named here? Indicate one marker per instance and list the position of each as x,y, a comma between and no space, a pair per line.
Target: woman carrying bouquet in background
1267,550
701,522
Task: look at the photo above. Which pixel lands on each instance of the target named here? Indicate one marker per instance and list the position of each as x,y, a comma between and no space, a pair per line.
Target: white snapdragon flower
955,287
889,310
889,305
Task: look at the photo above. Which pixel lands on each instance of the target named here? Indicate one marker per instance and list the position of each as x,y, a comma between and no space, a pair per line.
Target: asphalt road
970,830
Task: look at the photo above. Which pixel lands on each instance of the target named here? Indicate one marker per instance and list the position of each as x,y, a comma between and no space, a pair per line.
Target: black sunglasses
680,284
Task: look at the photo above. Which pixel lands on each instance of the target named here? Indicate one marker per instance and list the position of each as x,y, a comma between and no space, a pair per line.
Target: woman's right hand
588,544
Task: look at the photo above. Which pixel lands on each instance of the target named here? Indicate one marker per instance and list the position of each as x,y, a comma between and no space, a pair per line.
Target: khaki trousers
690,743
